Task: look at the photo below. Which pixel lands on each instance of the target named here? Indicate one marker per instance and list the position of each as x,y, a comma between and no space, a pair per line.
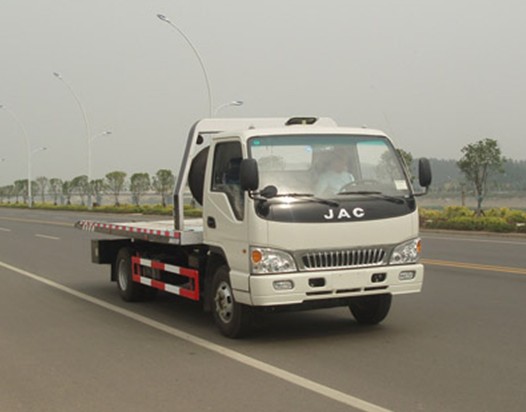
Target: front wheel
370,310
232,318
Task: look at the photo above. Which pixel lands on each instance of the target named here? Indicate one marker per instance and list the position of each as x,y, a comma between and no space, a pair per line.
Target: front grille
341,259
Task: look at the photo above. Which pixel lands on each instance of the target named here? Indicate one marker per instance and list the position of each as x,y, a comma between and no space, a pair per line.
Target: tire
232,319
129,290
370,310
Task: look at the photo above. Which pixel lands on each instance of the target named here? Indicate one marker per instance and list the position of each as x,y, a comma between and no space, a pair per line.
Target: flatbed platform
160,231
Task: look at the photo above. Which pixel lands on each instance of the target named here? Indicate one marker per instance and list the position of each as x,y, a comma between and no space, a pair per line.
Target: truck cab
305,216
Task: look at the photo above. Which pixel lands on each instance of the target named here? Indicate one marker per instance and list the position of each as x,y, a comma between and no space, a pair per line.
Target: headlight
407,252
267,261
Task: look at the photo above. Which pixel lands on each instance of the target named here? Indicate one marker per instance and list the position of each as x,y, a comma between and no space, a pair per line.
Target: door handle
211,222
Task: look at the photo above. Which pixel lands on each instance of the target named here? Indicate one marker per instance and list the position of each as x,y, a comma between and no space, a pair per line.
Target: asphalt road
68,343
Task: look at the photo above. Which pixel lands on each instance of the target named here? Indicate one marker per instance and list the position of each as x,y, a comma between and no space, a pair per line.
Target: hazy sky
435,75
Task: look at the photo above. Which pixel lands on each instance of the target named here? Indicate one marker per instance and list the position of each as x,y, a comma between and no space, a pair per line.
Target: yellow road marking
475,266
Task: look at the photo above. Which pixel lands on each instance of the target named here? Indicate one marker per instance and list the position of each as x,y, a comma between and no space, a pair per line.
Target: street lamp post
90,140
28,152
201,63
86,124
232,103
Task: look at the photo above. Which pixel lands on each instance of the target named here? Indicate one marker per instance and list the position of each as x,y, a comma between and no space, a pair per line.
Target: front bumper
334,284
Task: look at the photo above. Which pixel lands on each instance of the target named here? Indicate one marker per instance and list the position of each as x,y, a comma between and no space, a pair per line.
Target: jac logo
357,212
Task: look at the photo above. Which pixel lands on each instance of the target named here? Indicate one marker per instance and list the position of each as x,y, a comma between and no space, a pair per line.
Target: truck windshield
329,166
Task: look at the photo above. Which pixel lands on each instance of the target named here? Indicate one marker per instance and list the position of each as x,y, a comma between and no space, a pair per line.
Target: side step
191,274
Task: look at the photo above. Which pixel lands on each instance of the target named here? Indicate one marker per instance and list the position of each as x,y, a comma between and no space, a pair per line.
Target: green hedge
501,220
125,208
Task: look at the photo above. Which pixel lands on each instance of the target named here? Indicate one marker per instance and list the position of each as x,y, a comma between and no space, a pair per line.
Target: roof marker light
301,120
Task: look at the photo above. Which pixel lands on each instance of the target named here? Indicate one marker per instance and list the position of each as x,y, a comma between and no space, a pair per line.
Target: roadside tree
55,188
42,183
20,188
81,187
97,187
163,183
67,191
139,184
479,161
6,192
115,182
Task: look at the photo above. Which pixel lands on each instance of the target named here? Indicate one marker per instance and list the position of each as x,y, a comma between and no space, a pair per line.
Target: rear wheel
129,290
370,310
232,318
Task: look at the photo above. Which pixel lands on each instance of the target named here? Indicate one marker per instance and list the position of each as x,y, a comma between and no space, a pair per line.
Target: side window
225,175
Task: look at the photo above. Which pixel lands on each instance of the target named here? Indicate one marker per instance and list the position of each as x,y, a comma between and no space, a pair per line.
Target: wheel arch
105,251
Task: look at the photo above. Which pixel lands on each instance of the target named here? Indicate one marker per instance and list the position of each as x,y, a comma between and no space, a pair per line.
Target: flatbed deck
160,231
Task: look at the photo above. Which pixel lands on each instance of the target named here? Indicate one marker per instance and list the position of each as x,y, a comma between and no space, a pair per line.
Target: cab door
224,210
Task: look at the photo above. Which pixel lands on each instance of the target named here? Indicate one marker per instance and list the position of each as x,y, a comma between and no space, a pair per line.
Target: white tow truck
297,213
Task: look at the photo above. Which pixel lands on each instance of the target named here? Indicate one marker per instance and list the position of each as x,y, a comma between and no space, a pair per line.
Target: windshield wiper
311,197
373,193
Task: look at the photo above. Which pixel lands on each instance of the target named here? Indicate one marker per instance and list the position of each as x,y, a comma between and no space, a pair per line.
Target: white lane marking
44,222
3,229
47,237
213,347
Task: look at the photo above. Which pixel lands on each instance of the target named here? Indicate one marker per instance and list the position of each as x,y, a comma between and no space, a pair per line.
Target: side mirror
249,175
424,172
424,175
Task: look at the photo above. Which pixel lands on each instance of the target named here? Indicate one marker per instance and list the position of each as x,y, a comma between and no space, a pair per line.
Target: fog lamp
283,284
407,275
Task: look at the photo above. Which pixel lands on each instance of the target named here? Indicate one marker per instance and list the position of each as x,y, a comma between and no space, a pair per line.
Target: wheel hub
122,277
224,302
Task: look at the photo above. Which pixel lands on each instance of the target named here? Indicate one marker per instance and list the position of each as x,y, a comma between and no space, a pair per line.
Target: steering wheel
355,183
